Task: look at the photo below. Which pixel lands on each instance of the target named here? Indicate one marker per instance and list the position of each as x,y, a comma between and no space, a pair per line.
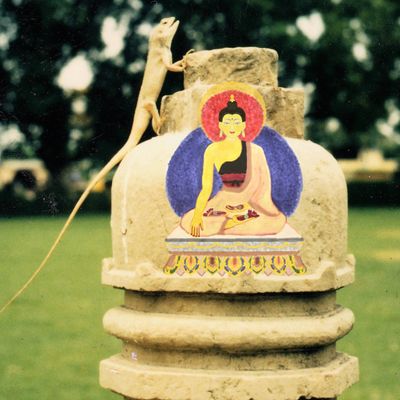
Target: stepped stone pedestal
260,322
235,255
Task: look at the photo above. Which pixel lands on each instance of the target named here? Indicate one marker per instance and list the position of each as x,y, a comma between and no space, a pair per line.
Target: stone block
285,110
253,65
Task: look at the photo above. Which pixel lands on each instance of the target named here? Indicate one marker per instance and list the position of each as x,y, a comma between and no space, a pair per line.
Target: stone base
150,277
179,331
149,382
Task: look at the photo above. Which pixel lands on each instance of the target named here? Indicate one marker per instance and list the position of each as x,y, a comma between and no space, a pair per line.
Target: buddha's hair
232,108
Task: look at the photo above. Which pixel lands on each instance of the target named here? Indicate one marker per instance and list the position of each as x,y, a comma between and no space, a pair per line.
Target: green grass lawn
51,339
374,238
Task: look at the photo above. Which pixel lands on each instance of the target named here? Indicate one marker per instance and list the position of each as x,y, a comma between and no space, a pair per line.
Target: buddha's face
232,125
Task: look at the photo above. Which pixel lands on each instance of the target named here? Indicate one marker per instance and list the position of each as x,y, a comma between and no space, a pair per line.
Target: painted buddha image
234,175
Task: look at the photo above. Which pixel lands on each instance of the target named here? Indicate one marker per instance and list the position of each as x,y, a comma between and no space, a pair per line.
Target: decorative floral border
236,265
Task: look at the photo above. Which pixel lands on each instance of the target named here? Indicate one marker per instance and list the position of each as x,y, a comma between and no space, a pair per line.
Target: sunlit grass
374,299
51,339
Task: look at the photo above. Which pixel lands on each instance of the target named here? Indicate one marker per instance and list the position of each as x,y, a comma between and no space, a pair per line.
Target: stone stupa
252,336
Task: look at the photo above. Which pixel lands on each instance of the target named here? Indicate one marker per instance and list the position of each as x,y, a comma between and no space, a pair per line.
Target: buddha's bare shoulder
213,148
256,149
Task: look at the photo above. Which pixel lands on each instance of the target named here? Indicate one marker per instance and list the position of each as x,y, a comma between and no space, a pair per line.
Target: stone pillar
244,337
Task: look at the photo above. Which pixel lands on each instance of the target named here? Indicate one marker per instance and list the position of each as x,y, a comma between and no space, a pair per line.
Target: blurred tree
345,54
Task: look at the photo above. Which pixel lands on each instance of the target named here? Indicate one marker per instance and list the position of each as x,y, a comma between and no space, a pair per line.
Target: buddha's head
232,120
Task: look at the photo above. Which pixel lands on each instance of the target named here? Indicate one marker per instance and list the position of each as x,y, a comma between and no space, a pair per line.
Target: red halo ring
212,107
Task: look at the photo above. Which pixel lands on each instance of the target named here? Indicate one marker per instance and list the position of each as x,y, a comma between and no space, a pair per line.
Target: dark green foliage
372,194
55,200
47,34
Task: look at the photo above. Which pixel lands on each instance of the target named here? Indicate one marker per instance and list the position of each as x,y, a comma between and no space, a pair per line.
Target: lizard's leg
151,107
178,66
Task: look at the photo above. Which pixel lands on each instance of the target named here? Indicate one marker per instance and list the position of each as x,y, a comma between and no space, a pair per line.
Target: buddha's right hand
196,225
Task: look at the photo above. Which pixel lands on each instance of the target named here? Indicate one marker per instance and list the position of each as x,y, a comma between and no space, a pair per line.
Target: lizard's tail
105,170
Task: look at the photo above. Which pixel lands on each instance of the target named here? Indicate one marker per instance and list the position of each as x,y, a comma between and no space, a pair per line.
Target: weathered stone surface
149,382
251,65
147,276
285,110
217,359
233,305
229,334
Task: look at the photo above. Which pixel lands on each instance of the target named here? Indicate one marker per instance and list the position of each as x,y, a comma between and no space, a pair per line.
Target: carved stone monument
239,312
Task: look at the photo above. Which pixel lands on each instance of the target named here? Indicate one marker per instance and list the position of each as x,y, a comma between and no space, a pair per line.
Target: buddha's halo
247,98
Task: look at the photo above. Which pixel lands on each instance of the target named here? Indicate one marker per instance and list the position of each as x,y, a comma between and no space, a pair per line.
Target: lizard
159,61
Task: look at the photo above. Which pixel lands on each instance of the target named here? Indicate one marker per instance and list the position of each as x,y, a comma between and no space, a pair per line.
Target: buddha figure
225,185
